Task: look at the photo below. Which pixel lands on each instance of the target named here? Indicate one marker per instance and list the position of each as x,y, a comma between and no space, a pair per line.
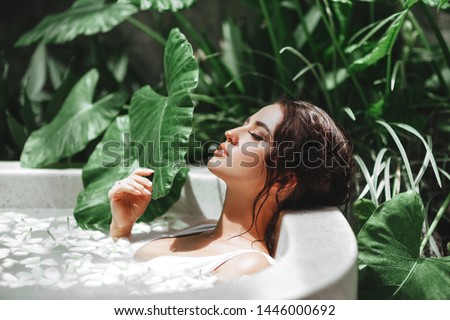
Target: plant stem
150,32
435,222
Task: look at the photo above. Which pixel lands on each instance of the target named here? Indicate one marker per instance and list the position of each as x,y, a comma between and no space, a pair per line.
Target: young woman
288,155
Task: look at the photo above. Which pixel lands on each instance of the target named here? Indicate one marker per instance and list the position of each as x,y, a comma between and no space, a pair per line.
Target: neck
237,214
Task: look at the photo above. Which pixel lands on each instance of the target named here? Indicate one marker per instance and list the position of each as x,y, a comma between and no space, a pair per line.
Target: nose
231,137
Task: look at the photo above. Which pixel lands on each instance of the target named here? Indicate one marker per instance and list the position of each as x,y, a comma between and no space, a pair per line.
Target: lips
221,151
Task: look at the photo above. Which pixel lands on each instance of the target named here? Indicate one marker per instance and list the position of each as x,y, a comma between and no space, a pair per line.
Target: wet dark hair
312,153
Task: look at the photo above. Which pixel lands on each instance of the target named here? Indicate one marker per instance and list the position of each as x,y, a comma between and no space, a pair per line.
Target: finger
143,171
143,181
121,187
138,186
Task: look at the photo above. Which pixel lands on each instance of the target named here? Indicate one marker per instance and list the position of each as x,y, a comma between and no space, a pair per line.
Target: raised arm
129,198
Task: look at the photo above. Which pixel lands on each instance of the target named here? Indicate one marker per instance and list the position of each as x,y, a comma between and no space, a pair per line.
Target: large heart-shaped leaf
161,5
113,159
85,17
162,124
77,123
389,248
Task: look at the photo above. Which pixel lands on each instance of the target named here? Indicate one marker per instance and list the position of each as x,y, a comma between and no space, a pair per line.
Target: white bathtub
316,249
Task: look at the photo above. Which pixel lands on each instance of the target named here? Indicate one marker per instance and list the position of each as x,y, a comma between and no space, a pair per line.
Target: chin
216,165
228,173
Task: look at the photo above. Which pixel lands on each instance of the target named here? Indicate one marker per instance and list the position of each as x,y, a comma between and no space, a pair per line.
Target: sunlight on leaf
161,5
163,123
85,17
384,46
79,121
114,159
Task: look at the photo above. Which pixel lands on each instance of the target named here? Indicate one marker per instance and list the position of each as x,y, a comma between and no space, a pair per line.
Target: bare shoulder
242,264
154,249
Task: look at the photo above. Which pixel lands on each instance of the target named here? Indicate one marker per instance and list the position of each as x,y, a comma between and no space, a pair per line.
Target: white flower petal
4,253
4,228
8,263
49,262
93,283
9,277
52,274
19,252
32,260
36,248
82,249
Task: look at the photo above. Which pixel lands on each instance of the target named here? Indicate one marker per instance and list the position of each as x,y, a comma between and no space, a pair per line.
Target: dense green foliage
381,69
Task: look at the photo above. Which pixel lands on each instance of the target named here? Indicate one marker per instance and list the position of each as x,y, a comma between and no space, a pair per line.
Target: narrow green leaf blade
427,147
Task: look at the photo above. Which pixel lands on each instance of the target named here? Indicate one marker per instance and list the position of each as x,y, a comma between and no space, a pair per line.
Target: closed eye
255,136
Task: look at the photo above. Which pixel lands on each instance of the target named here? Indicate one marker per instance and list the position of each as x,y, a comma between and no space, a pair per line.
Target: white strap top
201,265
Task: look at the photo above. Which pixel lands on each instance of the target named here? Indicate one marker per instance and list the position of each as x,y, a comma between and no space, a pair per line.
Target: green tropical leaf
78,122
441,4
162,124
125,145
383,47
389,246
36,75
111,160
234,51
306,28
17,131
4,96
161,5
85,17
362,210
28,114
56,72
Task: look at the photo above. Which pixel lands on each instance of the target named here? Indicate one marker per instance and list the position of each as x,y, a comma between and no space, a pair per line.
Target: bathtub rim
270,283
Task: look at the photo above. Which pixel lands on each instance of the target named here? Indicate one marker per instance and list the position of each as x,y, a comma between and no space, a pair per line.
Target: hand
129,198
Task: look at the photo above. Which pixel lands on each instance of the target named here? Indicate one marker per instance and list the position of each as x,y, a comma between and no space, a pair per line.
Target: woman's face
241,157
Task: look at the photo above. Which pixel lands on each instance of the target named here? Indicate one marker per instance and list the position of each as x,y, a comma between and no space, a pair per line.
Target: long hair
312,153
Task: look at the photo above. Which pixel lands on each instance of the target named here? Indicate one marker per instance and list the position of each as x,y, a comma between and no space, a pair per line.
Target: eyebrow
261,124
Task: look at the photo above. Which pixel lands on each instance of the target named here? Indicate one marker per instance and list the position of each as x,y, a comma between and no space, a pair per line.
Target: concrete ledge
316,249
38,188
